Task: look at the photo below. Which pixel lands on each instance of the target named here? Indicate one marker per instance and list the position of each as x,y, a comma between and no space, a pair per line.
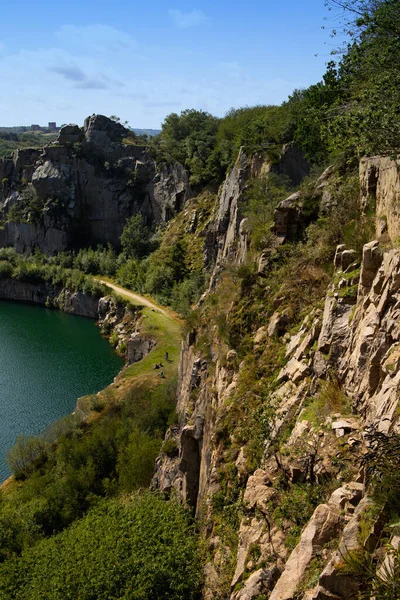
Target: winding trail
136,297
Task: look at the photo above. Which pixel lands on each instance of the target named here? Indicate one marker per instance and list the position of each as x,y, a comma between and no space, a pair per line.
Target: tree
135,238
354,17
24,454
188,139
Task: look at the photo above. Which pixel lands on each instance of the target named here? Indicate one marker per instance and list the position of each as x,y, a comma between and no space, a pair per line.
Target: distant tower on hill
52,125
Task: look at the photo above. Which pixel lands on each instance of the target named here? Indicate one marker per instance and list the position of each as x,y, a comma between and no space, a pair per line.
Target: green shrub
114,339
141,548
170,447
136,460
6,269
382,467
27,452
135,238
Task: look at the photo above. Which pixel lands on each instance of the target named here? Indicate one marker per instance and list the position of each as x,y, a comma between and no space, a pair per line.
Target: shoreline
4,484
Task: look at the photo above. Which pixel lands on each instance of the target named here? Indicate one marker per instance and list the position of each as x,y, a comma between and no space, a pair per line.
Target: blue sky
61,61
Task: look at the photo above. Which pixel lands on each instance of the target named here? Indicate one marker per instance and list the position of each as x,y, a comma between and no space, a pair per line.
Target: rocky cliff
76,303
270,447
81,189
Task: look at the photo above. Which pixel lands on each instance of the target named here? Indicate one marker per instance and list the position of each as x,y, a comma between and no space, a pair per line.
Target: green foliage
131,274
258,128
6,269
330,399
39,268
100,261
141,548
376,581
75,464
170,447
208,146
11,141
135,238
29,209
114,339
185,294
261,197
26,453
382,466
136,460
297,503
188,139
355,109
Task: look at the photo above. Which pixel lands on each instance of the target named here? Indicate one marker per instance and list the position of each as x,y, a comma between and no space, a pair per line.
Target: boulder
344,426
52,180
371,261
287,216
69,134
333,580
294,370
260,582
380,187
261,335
138,347
322,527
278,324
258,491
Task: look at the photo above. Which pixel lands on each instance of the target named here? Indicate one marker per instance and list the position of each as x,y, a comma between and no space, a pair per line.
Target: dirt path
136,298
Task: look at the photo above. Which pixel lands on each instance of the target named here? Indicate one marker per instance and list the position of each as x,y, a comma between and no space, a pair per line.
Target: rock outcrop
84,187
228,239
380,191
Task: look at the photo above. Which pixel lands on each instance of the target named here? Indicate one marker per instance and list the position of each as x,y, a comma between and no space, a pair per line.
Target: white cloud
74,78
184,20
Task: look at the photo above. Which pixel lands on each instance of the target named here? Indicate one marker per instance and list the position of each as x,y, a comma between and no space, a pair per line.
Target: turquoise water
47,360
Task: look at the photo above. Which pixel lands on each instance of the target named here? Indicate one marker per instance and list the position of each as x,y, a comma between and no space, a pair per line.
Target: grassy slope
165,328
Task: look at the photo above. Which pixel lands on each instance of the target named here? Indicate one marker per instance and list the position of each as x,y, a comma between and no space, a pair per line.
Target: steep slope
283,393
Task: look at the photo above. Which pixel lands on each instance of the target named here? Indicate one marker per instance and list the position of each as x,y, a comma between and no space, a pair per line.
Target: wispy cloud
92,84
72,72
184,20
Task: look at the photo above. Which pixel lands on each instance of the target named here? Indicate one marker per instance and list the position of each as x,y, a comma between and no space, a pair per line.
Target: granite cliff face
346,352
228,238
81,189
380,191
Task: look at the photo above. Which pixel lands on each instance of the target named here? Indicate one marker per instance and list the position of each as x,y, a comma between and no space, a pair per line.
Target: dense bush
75,464
135,238
100,261
355,109
41,269
6,269
188,139
142,548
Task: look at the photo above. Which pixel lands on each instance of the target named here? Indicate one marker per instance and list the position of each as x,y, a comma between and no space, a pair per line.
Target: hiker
156,366
166,355
161,374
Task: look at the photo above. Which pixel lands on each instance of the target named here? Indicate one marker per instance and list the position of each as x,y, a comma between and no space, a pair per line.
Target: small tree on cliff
135,238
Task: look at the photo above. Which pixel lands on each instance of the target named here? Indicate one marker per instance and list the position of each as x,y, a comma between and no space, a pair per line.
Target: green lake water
47,360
